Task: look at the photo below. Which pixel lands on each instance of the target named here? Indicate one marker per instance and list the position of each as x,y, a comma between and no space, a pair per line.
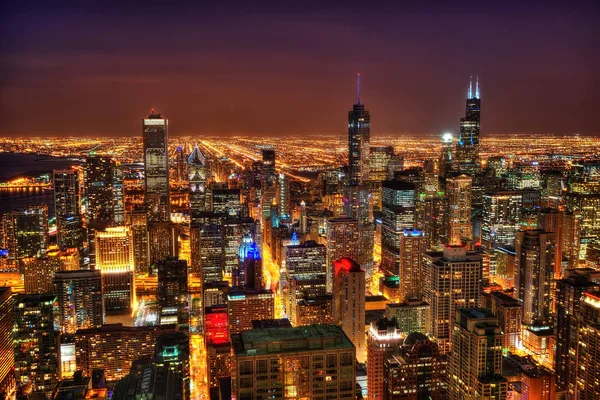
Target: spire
477,87
470,88
358,89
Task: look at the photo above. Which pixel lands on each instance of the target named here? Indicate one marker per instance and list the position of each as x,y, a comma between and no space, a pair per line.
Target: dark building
467,148
7,354
173,289
359,136
156,165
67,204
172,350
198,181
268,168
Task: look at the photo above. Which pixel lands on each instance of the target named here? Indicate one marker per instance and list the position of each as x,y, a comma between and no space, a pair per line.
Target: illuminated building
7,352
244,306
417,371
35,342
113,348
313,310
382,163
458,191
586,377
307,258
216,327
99,175
536,381
308,362
534,280
227,201
172,291
67,208
38,274
446,159
383,340
198,180
268,168
114,257
467,148
207,253
250,273
180,165
569,291
155,136
26,232
118,201
359,136
283,196
501,217
412,247
411,316
349,302
303,287
571,245
172,350
342,241
162,241
138,220
79,295
509,313
502,268
233,233
452,281
398,199
218,362
476,361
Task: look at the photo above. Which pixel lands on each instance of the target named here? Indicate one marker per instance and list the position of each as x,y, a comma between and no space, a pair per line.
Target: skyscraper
342,241
7,354
446,158
156,165
198,181
67,205
383,340
26,232
458,192
172,350
349,302
587,373
476,360
502,213
99,176
412,248
114,257
172,291
467,148
79,295
36,342
452,280
359,136
268,168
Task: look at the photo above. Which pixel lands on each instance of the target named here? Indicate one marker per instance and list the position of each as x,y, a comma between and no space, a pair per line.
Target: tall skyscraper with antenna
156,166
359,135
467,148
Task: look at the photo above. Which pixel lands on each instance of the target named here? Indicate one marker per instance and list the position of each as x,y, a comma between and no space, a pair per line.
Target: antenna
358,89
477,87
470,87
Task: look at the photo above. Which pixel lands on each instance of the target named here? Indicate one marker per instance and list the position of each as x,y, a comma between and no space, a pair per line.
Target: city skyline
245,71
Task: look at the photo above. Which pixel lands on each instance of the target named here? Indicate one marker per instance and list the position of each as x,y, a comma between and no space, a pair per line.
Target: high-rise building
172,291
26,232
7,352
509,312
587,373
114,258
38,273
418,371
398,214
227,201
383,340
36,342
313,310
138,220
569,291
162,241
467,148
244,306
99,176
458,192
113,348
304,259
79,295
349,302
411,316
342,239
67,205
250,274
412,248
476,360
452,281
198,181
502,213
156,165
172,350
207,253
283,197
118,201
269,175
308,362
359,136
446,158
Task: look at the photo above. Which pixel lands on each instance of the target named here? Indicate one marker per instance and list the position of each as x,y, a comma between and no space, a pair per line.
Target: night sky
280,70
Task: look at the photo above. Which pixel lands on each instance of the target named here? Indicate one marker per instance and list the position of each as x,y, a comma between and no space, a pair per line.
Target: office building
446,158
79,295
586,378
35,342
509,313
208,259
250,271
569,291
244,306
410,316
476,360
172,351
67,203
114,258
502,212
269,175
458,192
383,340
349,302
172,291
467,147
38,274
198,181
99,175
313,362
452,281
7,352
283,196
227,201
155,136
218,362
412,248
313,310
417,371
138,220
113,348
143,381
26,232
359,136
342,238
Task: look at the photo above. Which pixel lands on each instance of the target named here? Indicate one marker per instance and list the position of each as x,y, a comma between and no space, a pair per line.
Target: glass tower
156,165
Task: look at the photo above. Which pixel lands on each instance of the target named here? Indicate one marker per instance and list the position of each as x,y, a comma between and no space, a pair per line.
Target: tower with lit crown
467,148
